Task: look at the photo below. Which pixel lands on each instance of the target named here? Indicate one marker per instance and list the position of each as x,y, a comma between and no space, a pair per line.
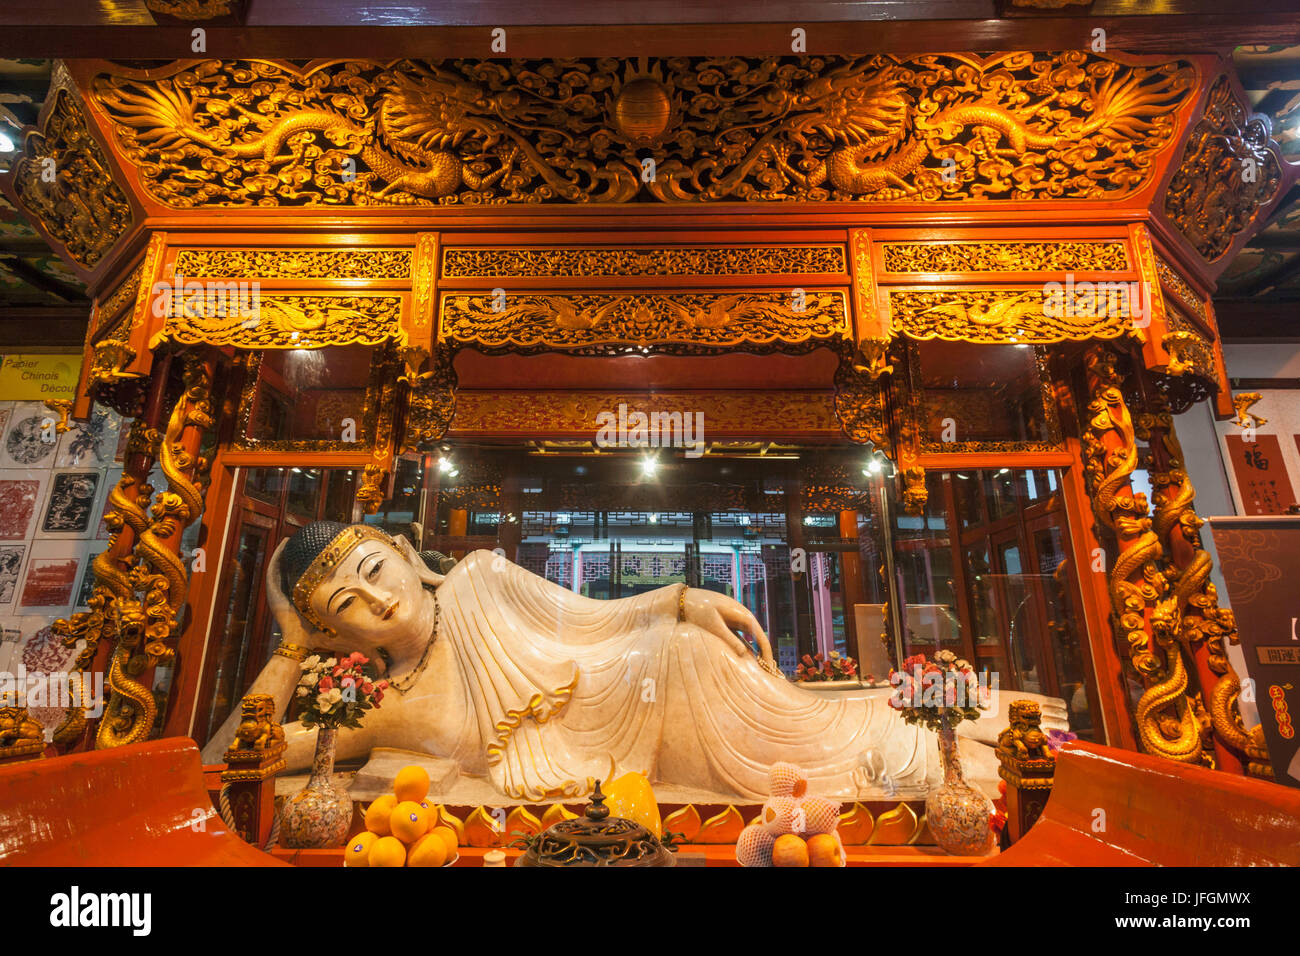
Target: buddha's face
373,596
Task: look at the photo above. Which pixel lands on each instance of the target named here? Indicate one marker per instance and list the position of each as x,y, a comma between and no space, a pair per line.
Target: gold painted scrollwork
711,320
938,127
1228,173
1145,614
123,296
431,399
860,406
1180,287
63,180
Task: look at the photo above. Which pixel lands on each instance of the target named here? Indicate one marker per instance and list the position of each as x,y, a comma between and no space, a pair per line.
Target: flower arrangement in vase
331,693
814,667
938,694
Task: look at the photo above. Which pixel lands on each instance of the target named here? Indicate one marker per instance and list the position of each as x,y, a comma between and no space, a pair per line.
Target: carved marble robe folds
559,686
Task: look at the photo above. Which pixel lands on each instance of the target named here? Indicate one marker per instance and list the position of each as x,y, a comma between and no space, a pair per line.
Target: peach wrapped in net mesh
754,848
787,780
778,815
820,814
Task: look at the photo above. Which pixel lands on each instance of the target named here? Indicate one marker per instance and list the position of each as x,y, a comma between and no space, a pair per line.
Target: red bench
141,805
1156,813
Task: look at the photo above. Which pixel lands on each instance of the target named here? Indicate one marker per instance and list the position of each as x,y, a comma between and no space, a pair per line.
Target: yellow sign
33,378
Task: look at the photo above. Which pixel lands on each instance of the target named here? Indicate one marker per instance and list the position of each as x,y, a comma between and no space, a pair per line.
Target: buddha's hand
720,615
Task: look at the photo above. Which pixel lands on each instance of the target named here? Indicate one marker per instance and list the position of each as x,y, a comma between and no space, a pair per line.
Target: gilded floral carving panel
294,263
1005,257
710,320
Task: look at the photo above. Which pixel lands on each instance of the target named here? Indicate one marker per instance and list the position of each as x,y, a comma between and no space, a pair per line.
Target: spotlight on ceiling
444,465
649,466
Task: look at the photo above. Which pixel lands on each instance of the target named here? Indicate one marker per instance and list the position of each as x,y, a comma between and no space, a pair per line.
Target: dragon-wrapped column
148,627
1144,612
1204,628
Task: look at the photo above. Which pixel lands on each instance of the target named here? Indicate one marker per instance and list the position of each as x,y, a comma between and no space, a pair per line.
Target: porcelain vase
957,813
317,816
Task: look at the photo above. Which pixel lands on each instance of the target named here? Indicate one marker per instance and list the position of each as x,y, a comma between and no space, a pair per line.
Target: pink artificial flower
326,683
367,687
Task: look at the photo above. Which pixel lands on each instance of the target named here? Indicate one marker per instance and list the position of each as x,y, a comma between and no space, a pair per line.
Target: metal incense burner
596,839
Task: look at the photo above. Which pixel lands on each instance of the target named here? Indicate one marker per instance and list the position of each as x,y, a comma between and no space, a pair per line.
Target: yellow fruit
824,850
377,814
788,850
632,798
429,850
411,783
388,851
448,836
409,821
357,851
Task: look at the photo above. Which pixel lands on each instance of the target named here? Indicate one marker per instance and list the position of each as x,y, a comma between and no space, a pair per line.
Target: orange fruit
448,836
788,850
388,851
357,851
411,783
429,850
824,850
378,812
409,821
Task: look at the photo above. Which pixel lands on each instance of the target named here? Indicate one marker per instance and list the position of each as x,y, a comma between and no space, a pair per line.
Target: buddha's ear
426,574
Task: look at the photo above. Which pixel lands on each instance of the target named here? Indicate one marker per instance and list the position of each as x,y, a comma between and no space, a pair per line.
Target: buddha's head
358,584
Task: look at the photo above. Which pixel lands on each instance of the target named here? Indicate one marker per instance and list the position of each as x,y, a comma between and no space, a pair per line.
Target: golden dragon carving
146,626
1144,611
1069,125
1202,621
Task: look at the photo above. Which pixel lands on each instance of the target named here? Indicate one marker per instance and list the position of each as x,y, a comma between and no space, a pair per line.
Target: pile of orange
820,849
402,828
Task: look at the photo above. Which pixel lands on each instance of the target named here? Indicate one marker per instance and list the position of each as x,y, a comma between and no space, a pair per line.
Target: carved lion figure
1024,738
258,729
16,727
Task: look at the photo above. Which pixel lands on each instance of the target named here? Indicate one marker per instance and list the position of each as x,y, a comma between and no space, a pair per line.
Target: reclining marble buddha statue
541,691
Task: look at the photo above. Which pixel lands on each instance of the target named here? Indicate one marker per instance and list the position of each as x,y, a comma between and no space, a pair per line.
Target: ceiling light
649,466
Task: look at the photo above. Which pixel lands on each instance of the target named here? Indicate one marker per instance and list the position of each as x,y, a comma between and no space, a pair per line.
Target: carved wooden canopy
686,204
